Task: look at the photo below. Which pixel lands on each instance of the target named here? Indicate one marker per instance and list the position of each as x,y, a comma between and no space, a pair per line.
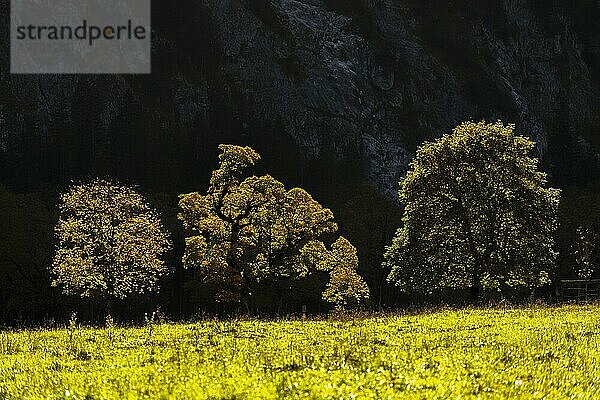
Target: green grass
529,353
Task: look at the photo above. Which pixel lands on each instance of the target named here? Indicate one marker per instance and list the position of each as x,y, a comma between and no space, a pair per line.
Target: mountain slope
364,81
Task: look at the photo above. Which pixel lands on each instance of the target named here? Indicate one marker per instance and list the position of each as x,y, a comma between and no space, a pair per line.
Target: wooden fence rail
579,290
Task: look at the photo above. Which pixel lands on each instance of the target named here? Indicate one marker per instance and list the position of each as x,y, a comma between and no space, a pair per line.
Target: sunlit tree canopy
251,228
110,242
477,214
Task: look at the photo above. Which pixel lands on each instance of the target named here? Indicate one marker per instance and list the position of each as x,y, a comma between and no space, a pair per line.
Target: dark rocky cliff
366,80
330,92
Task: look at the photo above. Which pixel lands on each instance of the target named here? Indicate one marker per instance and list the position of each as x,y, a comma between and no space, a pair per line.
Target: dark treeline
365,216
249,73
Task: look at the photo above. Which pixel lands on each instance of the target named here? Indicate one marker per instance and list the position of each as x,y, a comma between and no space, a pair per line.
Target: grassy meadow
530,353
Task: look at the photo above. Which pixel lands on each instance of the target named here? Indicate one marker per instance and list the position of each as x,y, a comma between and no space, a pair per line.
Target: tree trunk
245,297
380,294
505,291
280,295
90,302
108,309
246,303
475,291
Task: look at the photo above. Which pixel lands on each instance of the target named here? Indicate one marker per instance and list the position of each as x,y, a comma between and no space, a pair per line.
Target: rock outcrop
367,77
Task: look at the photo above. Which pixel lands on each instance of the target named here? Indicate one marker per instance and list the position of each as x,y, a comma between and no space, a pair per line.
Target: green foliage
477,213
579,231
369,220
110,242
345,286
585,252
252,229
533,353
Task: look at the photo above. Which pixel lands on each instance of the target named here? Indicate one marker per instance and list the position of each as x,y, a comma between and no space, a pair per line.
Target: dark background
336,95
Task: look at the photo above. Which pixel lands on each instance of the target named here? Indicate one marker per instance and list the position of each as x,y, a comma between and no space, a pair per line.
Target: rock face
367,77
